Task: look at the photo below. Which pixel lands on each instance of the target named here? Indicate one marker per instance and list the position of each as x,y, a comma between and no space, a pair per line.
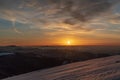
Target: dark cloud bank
84,10
79,11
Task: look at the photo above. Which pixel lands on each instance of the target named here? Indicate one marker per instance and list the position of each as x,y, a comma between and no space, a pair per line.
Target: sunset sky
58,22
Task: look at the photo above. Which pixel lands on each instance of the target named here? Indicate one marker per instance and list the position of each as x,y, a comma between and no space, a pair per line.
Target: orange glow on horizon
62,41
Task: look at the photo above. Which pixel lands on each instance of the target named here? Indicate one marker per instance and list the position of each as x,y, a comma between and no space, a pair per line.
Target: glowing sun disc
68,42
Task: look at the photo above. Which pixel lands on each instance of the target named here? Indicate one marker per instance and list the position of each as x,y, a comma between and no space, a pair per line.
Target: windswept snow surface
107,68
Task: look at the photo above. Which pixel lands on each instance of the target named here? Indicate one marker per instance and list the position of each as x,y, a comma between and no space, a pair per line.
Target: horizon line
51,45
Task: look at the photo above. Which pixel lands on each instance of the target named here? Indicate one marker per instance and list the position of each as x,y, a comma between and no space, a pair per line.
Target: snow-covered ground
107,68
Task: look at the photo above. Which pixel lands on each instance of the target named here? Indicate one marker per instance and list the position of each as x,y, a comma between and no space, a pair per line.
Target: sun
68,42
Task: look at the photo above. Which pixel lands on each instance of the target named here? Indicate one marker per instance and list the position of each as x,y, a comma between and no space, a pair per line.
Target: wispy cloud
57,15
115,19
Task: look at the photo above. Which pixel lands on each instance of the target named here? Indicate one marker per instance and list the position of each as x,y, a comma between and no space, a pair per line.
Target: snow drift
107,68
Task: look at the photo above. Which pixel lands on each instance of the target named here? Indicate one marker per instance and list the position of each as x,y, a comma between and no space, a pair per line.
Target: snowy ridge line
107,68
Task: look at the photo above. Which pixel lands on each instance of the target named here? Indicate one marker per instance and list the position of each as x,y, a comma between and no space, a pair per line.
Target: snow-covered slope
107,68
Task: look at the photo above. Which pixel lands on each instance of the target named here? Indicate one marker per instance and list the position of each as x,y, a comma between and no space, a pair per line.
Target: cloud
14,28
115,19
17,31
84,10
70,21
74,15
